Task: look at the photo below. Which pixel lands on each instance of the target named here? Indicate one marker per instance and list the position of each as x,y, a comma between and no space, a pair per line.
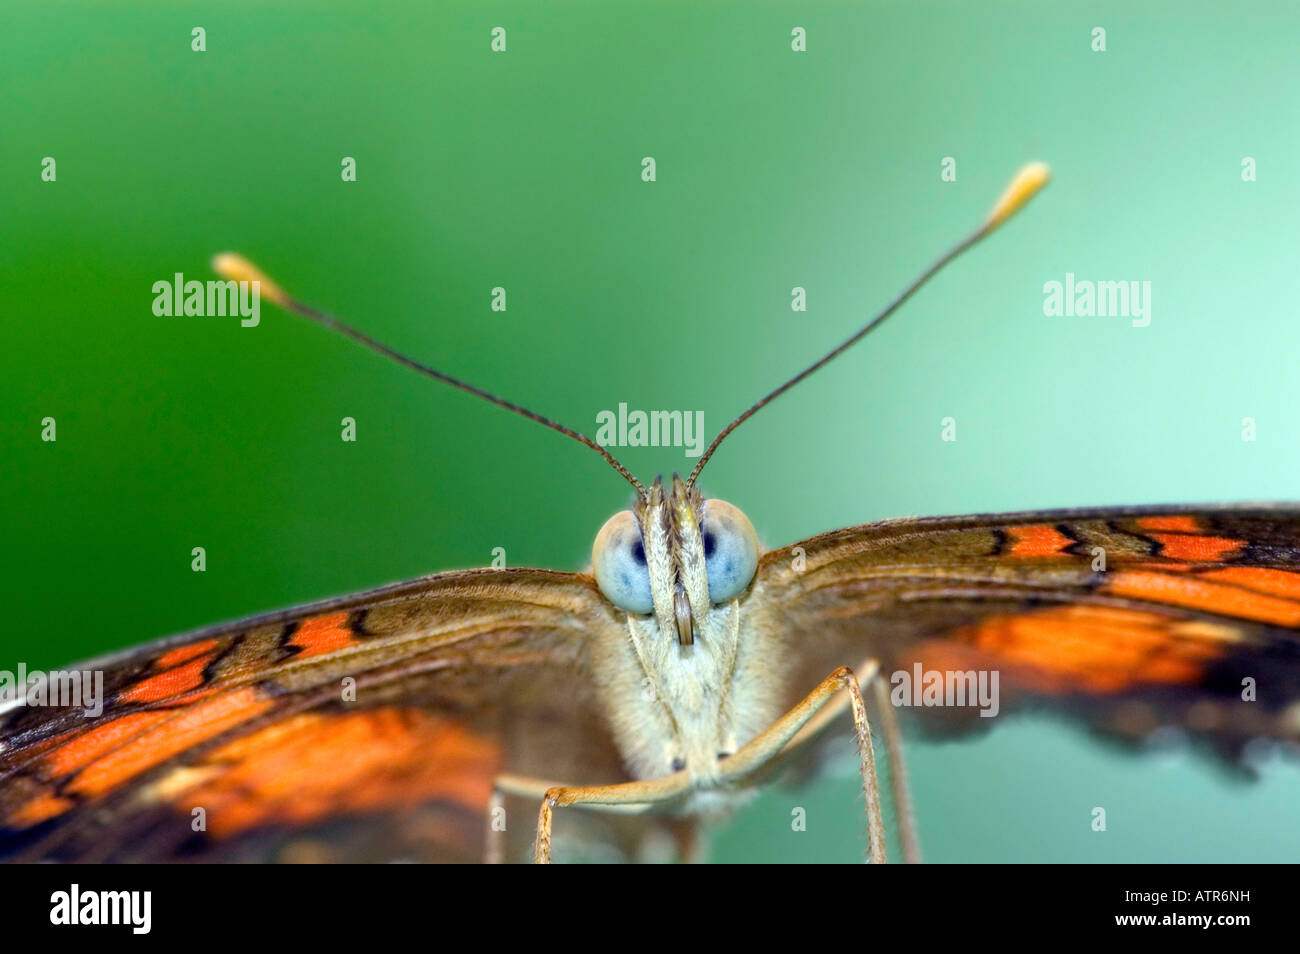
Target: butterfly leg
898,774
828,713
772,741
869,671
536,789
630,796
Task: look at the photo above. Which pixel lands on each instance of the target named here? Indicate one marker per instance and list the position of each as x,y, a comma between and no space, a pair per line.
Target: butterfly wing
368,726
1137,618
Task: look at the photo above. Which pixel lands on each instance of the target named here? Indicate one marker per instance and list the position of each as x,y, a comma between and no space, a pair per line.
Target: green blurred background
775,169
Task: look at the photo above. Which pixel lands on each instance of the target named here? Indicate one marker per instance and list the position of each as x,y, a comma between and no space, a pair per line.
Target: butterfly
510,714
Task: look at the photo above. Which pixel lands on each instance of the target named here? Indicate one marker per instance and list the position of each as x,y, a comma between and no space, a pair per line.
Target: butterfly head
675,555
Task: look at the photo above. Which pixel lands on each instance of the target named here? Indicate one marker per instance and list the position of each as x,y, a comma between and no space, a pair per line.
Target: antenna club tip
1028,181
234,267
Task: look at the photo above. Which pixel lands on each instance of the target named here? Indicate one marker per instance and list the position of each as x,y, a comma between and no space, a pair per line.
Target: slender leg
535,788
866,671
898,775
869,671
747,760
870,783
808,715
640,795
495,841
526,786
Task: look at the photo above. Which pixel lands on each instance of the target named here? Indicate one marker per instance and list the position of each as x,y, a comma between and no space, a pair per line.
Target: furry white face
678,565
675,556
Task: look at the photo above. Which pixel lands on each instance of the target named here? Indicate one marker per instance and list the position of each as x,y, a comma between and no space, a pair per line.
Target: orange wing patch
315,765
1083,649
1179,523
82,749
1183,537
323,634
1202,592
1260,579
115,752
1186,546
183,654
179,671
1037,542
177,732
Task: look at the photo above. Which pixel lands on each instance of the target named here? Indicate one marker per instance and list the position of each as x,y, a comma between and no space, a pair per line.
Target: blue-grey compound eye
618,560
730,550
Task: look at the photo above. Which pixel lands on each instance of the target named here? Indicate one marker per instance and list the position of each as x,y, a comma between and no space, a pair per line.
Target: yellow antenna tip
234,267
1028,181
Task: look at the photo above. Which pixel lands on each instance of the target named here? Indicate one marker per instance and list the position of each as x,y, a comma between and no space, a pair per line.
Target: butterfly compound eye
618,560
730,550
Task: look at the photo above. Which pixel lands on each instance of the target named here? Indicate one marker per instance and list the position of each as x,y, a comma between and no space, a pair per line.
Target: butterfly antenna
1028,181
234,267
